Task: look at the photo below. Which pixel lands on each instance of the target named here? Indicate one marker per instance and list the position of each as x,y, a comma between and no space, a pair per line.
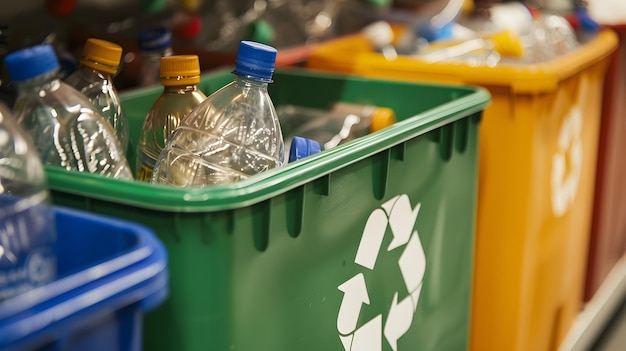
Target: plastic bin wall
608,231
111,273
538,151
369,244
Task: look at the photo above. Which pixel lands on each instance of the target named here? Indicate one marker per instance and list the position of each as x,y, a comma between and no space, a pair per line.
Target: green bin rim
275,181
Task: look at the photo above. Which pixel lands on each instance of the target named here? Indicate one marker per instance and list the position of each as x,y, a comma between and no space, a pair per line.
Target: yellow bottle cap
101,55
507,43
189,5
180,70
382,117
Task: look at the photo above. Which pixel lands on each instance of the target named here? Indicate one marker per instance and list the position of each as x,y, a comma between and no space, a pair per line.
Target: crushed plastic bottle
341,123
487,50
154,43
230,136
27,230
66,128
180,76
94,78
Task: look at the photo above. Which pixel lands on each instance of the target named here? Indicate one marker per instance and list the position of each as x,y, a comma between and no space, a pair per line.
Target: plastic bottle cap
382,117
60,8
180,70
508,43
261,31
186,25
189,5
31,62
101,55
154,39
302,147
152,6
255,60
379,3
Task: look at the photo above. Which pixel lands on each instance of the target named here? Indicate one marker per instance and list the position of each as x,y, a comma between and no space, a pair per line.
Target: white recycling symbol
398,214
565,186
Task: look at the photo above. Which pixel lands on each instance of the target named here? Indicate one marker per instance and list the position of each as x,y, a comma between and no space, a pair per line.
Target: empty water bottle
66,128
154,43
180,76
27,230
230,136
94,78
341,123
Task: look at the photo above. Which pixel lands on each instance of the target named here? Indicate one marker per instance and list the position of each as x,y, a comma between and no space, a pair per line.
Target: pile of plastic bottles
493,34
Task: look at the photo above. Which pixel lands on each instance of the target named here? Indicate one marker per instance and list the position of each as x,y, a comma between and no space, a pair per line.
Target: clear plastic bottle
94,78
66,128
341,123
27,230
487,50
233,134
154,43
180,76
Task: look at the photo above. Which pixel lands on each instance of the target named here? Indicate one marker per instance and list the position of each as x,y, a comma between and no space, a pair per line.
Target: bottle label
28,255
146,165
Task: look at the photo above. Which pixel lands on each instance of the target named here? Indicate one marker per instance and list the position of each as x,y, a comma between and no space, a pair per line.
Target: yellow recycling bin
538,148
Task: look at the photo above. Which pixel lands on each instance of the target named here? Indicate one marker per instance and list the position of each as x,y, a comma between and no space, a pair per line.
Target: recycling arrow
401,220
372,239
399,320
412,263
400,217
355,294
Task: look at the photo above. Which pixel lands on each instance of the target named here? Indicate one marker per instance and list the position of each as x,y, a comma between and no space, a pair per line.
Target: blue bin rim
138,275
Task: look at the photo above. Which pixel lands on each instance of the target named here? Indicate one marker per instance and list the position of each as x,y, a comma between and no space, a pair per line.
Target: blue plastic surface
154,39
302,147
110,273
31,62
255,60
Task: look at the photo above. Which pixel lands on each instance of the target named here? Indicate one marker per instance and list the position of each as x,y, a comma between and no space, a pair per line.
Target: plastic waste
230,136
100,60
180,76
27,230
66,128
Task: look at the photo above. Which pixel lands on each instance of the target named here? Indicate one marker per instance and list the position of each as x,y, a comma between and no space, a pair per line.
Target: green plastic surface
258,265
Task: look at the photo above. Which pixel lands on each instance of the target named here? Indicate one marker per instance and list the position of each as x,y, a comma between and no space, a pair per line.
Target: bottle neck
180,89
46,82
91,72
157,54
247,81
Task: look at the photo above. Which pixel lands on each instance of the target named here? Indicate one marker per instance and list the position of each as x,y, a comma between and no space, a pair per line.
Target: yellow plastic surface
382,117
101,55
180,70
538,150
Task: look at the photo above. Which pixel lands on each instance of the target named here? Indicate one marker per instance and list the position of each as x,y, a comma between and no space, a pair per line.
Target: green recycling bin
366,246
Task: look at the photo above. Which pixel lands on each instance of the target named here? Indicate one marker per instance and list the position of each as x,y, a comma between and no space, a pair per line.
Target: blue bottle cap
31,62
431,33
154,39
255,60
586,22
302,147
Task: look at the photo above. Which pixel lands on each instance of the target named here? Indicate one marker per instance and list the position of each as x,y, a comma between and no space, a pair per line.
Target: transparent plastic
99,88
163,118
230,136
150,66
67,130
341,123
548,37
27,230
